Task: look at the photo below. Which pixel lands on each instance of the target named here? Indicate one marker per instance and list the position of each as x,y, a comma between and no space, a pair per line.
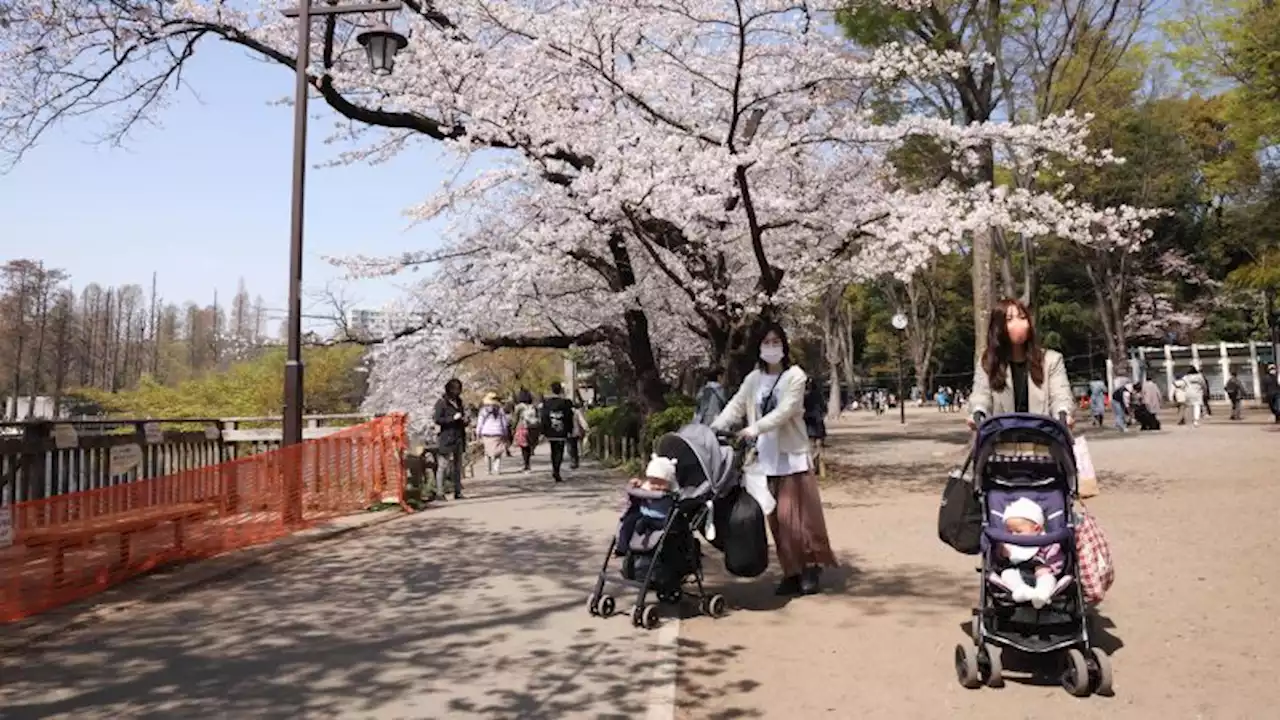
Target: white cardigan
787,418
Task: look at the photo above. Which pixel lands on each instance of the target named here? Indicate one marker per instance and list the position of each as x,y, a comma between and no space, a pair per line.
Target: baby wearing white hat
1025,517
659,476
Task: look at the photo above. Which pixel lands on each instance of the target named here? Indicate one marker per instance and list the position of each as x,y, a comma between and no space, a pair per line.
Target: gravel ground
1191,620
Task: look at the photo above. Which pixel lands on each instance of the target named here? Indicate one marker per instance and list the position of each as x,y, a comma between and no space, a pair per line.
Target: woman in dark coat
451,441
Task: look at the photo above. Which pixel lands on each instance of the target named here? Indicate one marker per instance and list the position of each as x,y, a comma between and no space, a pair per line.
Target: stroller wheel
992,668
1101,667
967,666
593,604
607,606
645,616
716,605
1075,676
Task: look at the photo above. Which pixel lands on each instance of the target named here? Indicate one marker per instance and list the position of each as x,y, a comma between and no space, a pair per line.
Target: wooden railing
610,449
40,459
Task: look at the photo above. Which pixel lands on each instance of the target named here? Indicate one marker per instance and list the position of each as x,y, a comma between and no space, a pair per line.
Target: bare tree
63,320
17,277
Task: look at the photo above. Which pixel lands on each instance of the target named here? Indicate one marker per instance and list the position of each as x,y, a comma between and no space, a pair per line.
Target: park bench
58,539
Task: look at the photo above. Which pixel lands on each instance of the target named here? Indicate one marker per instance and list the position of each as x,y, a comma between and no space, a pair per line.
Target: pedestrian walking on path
771,400
711,399
528,426
580,429
451,418
1098,401
494,430
1235,393
1271,391
1196,394
557,424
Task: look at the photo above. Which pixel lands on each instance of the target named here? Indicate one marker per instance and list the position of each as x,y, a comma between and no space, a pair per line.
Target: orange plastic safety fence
71,546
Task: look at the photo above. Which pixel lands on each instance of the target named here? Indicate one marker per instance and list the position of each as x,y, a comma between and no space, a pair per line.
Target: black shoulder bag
960,514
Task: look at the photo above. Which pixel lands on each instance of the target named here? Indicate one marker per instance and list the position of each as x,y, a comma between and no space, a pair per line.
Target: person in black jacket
451,441
557,426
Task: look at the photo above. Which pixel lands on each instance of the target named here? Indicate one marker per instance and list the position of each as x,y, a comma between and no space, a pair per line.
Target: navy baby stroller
1029,456
665,556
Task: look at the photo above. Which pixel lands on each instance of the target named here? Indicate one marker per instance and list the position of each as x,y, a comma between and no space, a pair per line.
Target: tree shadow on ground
859,478
427,613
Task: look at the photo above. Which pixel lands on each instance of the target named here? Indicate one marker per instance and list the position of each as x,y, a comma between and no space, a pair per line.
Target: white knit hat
1024,509
661,468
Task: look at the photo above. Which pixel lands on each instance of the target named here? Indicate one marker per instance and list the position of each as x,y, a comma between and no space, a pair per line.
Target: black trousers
450,468
557,456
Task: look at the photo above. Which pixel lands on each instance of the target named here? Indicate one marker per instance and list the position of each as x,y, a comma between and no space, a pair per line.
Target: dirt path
1192,619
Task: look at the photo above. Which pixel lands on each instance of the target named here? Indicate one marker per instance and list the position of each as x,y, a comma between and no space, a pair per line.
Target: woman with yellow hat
494,430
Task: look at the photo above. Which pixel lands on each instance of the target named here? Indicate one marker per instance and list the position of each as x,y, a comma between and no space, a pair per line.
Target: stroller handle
980,417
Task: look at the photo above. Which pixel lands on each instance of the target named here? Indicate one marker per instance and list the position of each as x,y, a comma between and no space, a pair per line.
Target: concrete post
570,378
1168,371
1224,358
1195,356
1111,377
1255,372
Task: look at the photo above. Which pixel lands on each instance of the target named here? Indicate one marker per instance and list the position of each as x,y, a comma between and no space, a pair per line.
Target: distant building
1216,361
379,323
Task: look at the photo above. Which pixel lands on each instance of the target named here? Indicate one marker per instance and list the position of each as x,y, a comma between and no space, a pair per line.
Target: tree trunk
651,391
983,274
61,349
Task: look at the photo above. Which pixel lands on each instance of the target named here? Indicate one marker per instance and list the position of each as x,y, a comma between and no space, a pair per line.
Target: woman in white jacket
771,400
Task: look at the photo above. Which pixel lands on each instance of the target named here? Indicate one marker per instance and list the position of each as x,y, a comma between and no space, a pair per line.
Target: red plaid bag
1096,571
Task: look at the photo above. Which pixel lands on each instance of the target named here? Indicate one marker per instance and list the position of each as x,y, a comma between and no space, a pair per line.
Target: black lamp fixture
382,43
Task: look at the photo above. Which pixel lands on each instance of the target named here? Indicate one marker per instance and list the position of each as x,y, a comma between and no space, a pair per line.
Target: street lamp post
900,324
381,43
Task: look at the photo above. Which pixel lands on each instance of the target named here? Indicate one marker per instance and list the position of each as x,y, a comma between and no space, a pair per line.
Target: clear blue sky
203,199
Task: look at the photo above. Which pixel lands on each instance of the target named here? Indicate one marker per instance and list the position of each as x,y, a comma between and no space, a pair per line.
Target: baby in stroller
1030,573
656,535
1025,478
647,512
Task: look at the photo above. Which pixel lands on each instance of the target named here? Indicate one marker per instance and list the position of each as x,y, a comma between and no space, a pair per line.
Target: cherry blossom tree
678,169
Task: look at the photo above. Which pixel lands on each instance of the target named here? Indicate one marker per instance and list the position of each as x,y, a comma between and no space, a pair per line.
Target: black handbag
960,513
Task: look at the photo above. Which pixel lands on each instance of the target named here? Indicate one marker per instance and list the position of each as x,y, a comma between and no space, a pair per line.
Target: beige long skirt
494,446
798,526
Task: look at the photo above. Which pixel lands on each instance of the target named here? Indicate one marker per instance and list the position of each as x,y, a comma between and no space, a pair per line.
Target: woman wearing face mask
771,400
1016,374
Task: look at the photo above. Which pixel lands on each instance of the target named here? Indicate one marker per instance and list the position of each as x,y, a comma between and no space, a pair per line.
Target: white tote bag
1088,477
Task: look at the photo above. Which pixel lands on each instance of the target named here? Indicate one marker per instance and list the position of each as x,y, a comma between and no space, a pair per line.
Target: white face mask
1020,553
771,354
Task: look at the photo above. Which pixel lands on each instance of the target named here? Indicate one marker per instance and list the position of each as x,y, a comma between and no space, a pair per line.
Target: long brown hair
999,352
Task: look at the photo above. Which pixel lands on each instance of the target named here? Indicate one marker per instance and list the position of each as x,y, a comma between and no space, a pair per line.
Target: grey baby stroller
1023,458
659,551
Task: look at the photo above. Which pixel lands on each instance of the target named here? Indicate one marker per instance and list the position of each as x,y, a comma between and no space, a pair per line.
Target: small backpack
529,416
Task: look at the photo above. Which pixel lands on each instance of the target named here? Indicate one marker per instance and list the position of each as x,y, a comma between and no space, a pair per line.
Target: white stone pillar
1168,371
1195,356
1224,358
1255,372
570,378
1111,377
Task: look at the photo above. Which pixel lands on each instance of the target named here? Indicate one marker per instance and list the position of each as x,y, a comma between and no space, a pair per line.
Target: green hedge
661,423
